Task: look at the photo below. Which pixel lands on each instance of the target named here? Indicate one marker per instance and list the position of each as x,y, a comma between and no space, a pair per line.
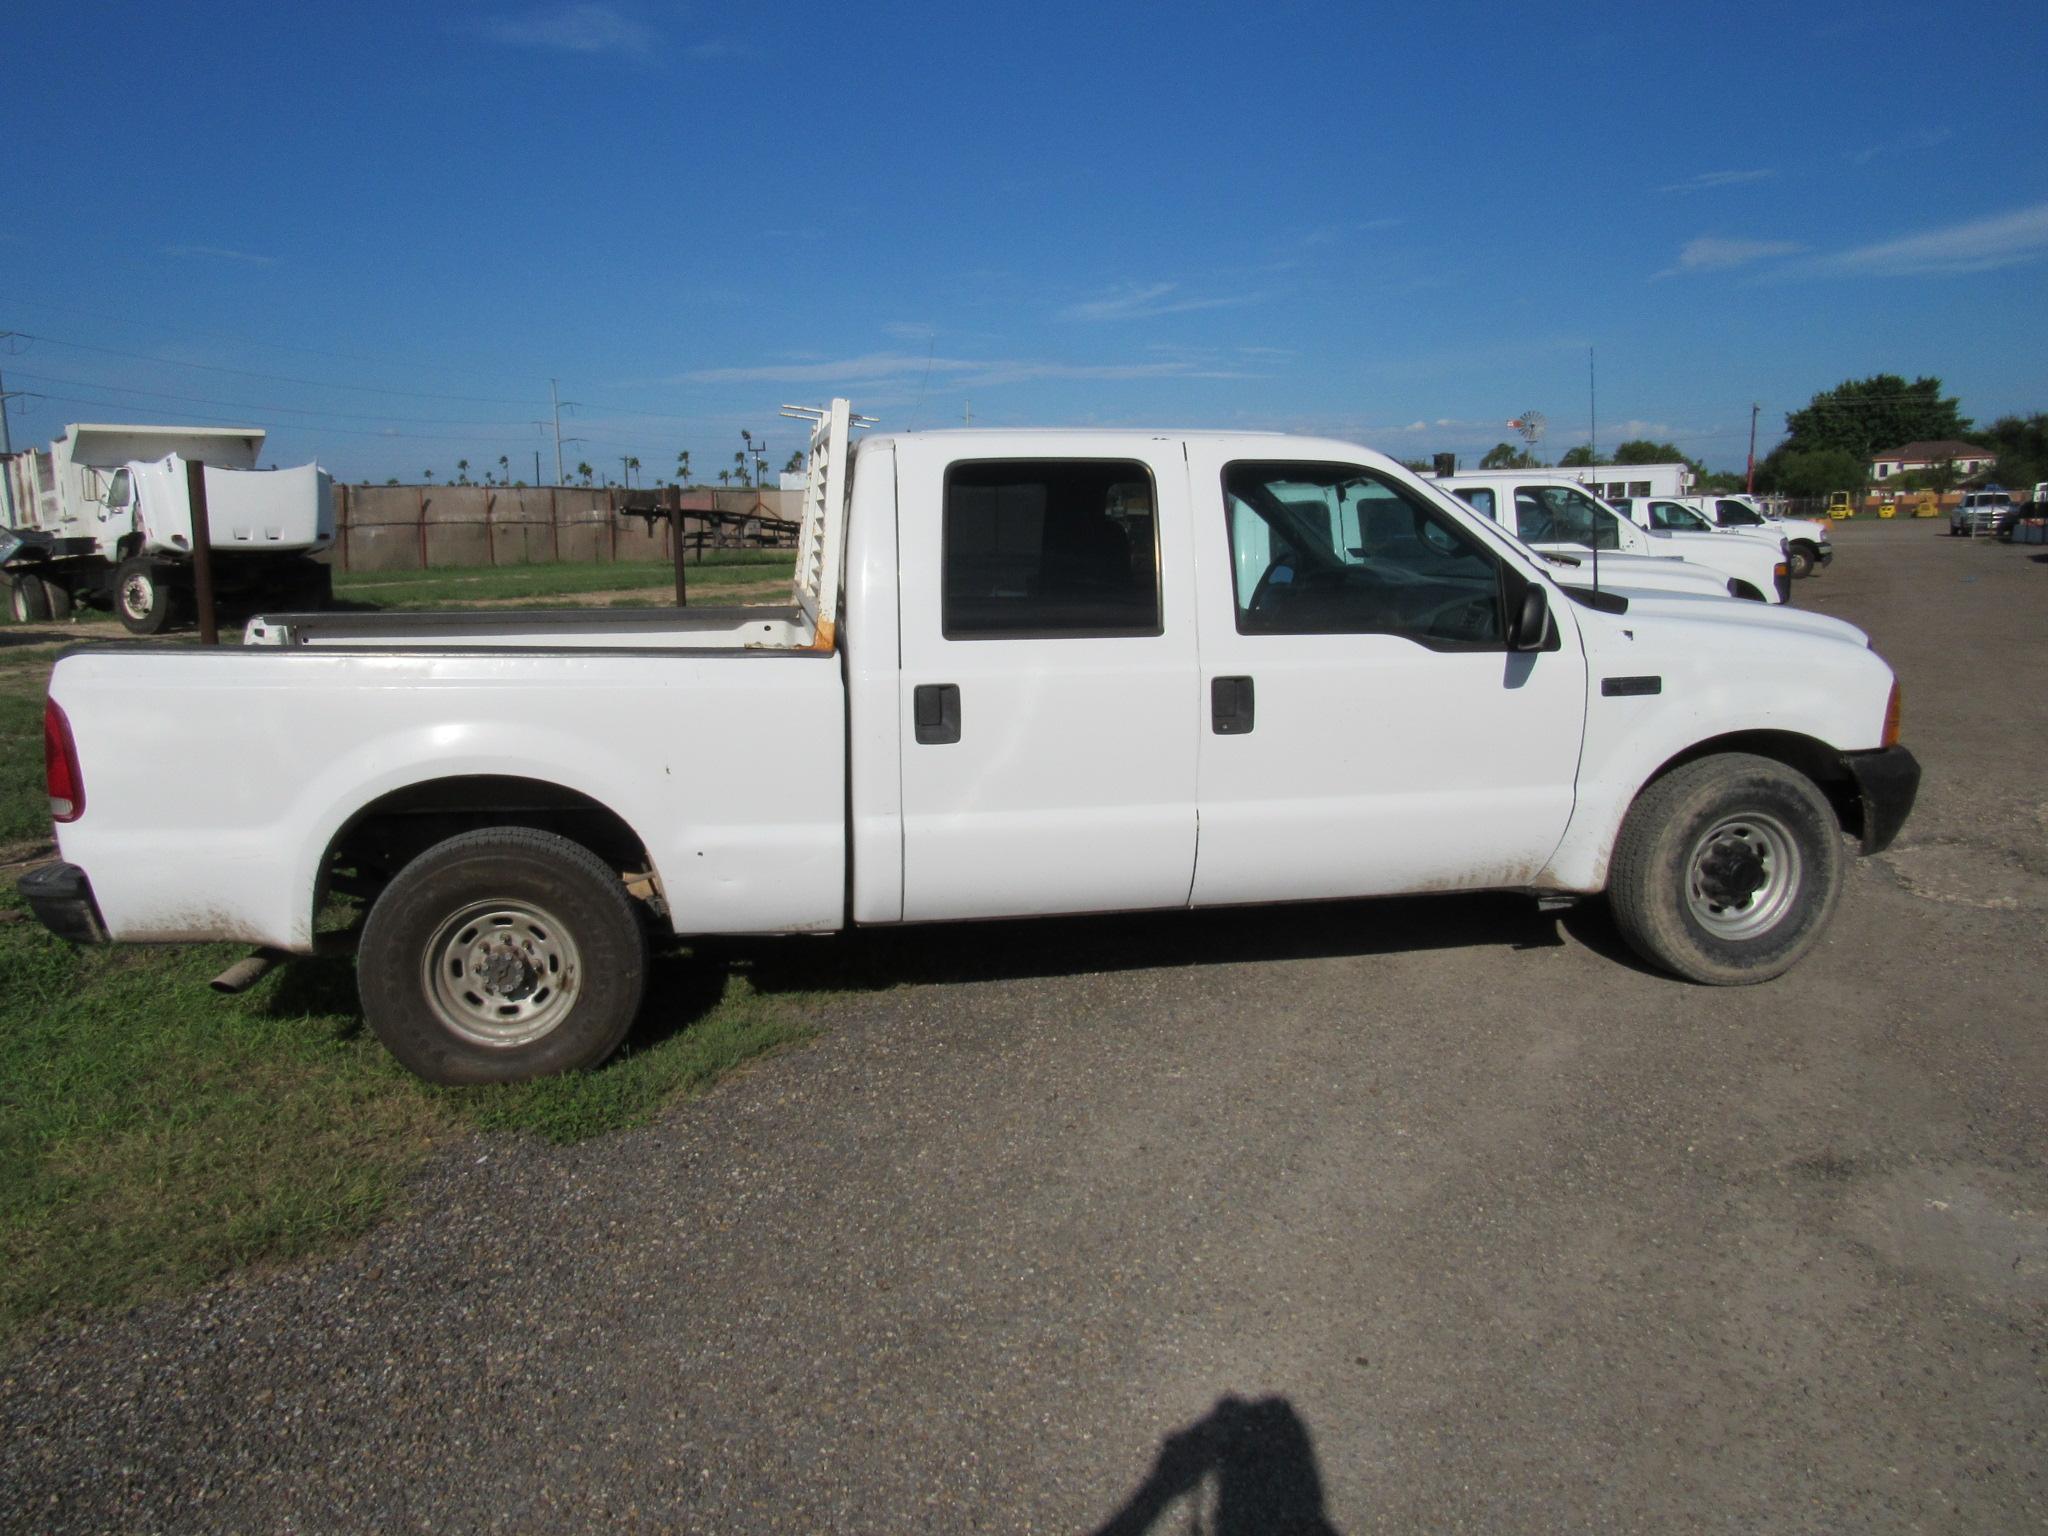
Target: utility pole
626,470
967,413
555,398
1749,485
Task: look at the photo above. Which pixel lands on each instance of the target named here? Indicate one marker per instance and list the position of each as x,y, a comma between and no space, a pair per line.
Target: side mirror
1532,621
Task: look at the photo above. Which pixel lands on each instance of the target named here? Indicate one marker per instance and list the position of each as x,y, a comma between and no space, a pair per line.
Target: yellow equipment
1840,507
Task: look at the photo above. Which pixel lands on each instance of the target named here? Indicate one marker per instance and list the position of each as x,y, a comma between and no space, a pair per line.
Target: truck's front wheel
502,955
1799,560
1727,870
143,597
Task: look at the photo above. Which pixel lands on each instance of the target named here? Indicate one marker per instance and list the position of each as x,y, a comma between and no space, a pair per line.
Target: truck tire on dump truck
103,517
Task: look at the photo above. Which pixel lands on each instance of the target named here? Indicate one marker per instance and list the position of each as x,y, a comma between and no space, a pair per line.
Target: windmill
1530,424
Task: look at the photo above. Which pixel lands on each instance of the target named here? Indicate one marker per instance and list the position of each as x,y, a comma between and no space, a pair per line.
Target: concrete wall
420,527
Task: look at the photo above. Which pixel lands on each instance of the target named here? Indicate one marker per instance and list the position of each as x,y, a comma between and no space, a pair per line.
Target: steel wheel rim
1743,876
501,973
138,596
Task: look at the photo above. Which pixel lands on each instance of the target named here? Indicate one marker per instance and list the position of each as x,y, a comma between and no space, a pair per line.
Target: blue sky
380,230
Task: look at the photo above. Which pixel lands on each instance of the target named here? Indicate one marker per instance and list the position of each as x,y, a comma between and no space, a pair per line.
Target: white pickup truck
1026,672
1553,512
1805,541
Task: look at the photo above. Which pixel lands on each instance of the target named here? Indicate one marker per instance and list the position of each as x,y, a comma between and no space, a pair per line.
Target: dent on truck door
1397,743
1048,706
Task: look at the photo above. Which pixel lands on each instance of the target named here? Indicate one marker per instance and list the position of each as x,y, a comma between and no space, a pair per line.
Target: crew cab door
1048,682
1367,729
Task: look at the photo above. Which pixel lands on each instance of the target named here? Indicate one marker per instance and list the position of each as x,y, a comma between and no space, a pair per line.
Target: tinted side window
1038,547
1481,498
1320,549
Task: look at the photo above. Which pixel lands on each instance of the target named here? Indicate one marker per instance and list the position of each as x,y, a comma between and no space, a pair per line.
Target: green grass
720,570
155,1136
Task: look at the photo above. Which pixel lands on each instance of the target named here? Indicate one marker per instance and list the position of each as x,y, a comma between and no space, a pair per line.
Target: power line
274,378
267,407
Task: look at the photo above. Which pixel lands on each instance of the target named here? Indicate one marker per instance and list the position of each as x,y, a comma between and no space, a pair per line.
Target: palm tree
795,466
430,477
585,471
683,467
504,469
725,477
739,461
631,465
462,470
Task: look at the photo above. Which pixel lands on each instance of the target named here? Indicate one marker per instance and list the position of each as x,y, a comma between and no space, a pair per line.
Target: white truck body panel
729,768
273,511
1089,772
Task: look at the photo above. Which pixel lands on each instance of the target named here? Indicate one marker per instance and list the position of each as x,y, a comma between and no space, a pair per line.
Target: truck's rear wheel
1727,870
28,599
59,597
502,955
144,598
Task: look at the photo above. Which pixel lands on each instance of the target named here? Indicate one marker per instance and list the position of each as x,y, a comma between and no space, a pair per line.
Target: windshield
1562,514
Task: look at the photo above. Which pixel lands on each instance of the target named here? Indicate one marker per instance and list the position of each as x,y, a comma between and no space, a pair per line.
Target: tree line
1829,443
749,467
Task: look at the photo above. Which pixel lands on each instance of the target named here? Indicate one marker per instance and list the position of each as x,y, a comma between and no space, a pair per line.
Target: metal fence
423,527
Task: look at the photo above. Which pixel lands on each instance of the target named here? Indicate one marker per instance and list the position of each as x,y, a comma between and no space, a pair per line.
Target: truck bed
691,629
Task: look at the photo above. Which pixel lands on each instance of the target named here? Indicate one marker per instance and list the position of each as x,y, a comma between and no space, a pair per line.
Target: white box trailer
103,516
1612,482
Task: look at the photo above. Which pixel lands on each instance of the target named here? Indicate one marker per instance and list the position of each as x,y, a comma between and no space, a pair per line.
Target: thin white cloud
220,253
1136,302
586,28
879,366
1980,245
1920,138
1710,253
872,365
1707,180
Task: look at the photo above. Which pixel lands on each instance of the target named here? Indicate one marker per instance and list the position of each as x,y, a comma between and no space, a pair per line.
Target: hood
1753,618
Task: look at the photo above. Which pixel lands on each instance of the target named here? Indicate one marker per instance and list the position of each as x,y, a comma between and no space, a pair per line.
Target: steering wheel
1471,623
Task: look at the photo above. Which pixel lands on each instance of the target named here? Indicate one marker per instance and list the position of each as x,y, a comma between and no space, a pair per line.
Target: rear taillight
1891,717
60,766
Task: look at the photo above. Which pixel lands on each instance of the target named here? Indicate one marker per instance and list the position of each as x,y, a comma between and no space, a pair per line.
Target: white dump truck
103,517
1021,672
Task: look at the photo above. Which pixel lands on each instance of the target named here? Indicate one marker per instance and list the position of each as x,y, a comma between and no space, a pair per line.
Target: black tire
564,943
28,599
60,598
1727,870
145,599
1799,561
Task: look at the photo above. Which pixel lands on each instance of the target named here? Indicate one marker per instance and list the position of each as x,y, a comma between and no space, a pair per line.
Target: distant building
1967,457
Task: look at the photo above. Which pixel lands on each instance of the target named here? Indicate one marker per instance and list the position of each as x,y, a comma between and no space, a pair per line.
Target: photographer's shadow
1243,1469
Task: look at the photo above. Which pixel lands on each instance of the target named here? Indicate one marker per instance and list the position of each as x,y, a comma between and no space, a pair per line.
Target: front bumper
1887,781
1824,554
61,898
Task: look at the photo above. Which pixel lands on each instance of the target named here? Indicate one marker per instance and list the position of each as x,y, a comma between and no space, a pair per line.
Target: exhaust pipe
244,974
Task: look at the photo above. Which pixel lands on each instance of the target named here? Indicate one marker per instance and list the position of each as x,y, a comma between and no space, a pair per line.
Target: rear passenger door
1049,691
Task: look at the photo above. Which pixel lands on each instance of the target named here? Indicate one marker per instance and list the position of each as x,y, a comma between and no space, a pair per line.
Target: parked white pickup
1808,541
1052,672
1551,511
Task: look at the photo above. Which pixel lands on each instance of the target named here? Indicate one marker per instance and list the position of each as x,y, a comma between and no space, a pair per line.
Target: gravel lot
1427,1215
